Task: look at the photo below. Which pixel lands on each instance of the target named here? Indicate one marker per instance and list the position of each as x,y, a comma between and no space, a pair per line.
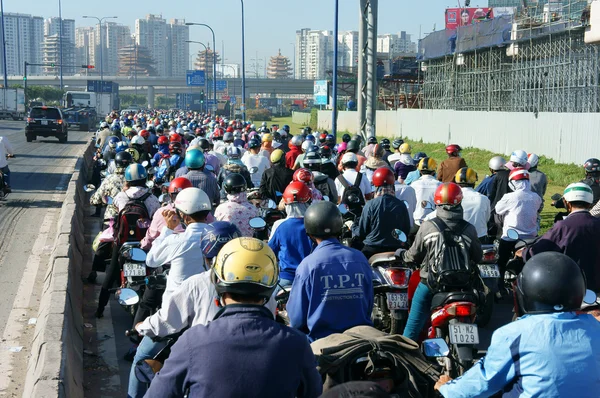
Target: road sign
225,97
195,78
232,100
321,92
106,86
221,85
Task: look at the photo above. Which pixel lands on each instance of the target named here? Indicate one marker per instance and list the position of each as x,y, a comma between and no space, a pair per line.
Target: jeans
146,350
6,172
505,250
419,312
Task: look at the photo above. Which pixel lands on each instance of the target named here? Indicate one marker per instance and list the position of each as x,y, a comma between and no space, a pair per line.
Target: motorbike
133,260
268,215
558,203
489,275
3,191
282,298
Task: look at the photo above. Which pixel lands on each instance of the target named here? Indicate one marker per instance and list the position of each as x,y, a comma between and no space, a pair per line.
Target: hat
349,157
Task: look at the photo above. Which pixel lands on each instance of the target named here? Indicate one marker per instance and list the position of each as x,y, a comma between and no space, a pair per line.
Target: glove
348,224
399,253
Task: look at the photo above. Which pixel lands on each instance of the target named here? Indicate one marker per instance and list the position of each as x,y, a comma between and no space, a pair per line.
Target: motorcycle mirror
271,204
556,197
257,223
590,297
127,297
512,234
143,223
150,184
399,235
434,348
209,168
253,170
343,208
151,170
145,163
164,198
89,188
109,200
326,198
427,205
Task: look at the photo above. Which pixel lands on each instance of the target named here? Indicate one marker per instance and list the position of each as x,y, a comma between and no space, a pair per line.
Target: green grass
294,127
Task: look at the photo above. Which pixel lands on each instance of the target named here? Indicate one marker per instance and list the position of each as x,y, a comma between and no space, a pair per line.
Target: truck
12,103
84,109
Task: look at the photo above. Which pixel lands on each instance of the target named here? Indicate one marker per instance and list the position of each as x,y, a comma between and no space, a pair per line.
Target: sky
270,24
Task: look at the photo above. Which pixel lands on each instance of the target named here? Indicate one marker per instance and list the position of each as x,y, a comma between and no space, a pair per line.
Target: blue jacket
548,355
332,291
412,177
162,150
380,217
485,187
291,245
242,353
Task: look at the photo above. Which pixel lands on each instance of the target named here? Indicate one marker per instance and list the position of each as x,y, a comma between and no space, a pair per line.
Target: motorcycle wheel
484,312
396,325
459,367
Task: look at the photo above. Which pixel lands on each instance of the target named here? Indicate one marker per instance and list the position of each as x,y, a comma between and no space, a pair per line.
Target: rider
592,177
550,351
476,207
326,186
416,174
425,188
206,181
307,177
333,287
496,163
243,335
236,209
111,186
349,163
256,162
405,163
450,166
234,165
275,179
374,162
425,250
381,216
394,157
295,145
537,179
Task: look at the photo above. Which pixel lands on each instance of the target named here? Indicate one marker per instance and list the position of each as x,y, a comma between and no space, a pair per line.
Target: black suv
46,121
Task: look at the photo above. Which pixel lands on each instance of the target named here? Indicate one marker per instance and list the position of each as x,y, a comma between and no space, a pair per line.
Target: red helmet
448,193
229,129
163,140
145,134
518,174
303,175
218,133
296,192
383,176
175,148
453,149
322,137
179,184
175,138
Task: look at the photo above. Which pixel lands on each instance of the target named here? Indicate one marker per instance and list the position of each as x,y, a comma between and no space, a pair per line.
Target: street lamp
101,43
335,68
243,104
294,44
60,43
4,46
206,52
214,60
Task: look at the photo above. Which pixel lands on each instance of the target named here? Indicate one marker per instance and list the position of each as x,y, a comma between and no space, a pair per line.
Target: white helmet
579,192
496,163
103,125
138,139
306,145
192,200
533,159
349,157
519,156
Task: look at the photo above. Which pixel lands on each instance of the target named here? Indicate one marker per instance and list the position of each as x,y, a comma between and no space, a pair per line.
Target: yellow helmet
466,176
405,148
267,138
246,266
134,154
427,164
277,155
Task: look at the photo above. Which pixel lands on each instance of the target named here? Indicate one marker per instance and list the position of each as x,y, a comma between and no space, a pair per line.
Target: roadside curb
55,367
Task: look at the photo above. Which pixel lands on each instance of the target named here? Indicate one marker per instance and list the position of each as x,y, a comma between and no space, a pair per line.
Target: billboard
456,17
321,92
195,78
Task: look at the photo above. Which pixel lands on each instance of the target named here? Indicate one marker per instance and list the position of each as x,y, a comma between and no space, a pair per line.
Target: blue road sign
232,100
195,78
221,85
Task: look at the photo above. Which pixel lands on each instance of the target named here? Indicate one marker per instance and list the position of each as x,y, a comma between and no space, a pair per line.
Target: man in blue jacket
549,352
333,288
243,352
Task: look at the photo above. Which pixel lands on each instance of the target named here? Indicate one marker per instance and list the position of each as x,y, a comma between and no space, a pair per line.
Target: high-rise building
314,53
51,53
24,37
88,43
117,37
177,49
85,48
348,50
151,33
396,44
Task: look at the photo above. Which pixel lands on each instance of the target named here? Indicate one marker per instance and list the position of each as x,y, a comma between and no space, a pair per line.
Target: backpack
162,171
126,227
321,183
452,267
173,167
352,190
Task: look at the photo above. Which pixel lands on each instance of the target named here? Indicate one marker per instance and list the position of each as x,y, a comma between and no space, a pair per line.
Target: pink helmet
342,147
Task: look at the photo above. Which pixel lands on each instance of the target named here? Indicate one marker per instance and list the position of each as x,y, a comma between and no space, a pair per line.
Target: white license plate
397,301
489,271
44,122
463,333
132,269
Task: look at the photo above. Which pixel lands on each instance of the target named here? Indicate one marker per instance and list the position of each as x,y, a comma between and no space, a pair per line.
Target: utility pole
4,46
367,68
60,42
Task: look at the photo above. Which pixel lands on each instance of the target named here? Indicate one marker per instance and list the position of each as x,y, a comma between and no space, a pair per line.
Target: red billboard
456,17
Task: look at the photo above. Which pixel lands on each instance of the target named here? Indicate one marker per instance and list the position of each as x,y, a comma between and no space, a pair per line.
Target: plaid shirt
111,186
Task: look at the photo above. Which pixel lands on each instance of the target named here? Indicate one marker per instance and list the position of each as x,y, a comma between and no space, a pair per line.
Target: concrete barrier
302,118
55,367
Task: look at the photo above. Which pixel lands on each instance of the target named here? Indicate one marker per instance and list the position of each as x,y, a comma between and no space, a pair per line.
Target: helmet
253,143
346,138
330,140
533,159
303,175
311,158
519,156
267,138
385,143
204,144
145,134
296,141
179,184
123,159
518,174
405,148
419,156
216,235
112,142
427,164
372,140
121,146
286,128
453,149
448,193
245,266
103,125
466,176
322,137
194,159
135,172
192,200
234,152
496,163
306,144
175,148
228,137
397,143
138,140
296,192
162,140
325,152
352,146
310,138
349,157
175,138
234,183
550,282
383,176
579,192
592,165
342,147
323,219
134,154
277,156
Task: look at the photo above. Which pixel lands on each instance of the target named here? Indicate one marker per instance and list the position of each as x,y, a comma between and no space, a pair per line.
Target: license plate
397,301
463,333
489,271
44,122
132,269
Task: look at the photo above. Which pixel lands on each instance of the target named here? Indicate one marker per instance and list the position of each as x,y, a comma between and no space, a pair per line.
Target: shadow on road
66,143
24,181
37,204
27,155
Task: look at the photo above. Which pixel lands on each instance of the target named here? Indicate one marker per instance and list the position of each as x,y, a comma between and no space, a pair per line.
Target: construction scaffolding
535,64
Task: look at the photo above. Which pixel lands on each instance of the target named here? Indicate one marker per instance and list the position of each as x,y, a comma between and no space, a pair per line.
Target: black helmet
234,183
397,143
325,152
419,156
592,165
372,140
253,143
358,138
123,159
353,146
323,219
312,161
204,144
550,282
385,143
346,138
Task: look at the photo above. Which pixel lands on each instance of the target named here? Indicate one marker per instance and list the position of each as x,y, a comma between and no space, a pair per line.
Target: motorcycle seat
382,257
442,298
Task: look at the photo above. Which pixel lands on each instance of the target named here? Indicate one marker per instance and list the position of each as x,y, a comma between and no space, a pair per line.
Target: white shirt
393,158
350,176
407,193
182,251
520,211
152,204
251,160
424,188
192,303
5,149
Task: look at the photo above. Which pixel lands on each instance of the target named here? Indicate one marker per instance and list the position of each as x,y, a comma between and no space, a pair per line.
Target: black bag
127,227
322,184
452,266
174,167
352,190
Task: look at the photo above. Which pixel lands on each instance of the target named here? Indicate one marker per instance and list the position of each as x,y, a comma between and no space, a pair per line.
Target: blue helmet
113,141
194,159
121,146
116,128
310,138
253,143
286,128
216,235
135,172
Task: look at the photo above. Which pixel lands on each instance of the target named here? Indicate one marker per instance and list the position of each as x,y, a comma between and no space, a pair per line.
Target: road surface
40,173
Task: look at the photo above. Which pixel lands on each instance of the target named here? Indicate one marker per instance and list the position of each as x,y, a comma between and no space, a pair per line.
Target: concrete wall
302,118
564,137
55,368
